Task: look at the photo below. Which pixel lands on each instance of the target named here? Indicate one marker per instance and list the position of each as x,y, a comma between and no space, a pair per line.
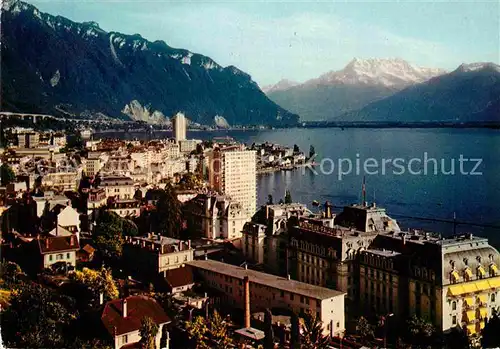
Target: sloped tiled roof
138,307
179,277
51,244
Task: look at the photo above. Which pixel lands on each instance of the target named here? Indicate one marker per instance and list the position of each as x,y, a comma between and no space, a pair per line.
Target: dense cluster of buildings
337,266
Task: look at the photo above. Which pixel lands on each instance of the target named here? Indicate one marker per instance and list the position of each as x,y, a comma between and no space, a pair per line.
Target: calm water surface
472,198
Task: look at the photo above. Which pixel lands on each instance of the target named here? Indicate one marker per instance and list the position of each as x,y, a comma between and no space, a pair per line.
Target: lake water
472,197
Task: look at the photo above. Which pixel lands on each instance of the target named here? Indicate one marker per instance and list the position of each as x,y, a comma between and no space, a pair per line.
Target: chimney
180,245
101,298
267,212
246,266
72,241
404,239
124,307
47,243
288,277
246,295
328,210
189,244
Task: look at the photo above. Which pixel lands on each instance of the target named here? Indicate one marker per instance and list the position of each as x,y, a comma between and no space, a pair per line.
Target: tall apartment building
232,171
271,291
179,124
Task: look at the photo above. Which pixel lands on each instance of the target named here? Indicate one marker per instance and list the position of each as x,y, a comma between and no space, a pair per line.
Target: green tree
97,281
218,331
295,342
108,234
6,174
364,328
129,228
268,330
490,337
164,337
168,214
138,195
36,318
269,199
420,333
312,332
457,339
11,274
148,332
197,332
288,197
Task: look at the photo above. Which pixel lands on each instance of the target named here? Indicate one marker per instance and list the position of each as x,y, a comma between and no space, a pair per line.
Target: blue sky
302,40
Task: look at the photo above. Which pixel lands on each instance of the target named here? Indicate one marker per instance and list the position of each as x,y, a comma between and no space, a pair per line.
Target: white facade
68,218
232,171
179,124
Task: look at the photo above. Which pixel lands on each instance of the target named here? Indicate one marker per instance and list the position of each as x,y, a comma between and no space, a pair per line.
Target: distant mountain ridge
359,83
282,85
51,64
393,73
471,93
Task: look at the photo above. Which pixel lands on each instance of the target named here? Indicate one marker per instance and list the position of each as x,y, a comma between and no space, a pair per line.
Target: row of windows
59,256
175,259
492,297
230,279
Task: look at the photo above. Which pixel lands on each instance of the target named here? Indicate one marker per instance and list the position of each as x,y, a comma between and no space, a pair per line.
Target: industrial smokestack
246,295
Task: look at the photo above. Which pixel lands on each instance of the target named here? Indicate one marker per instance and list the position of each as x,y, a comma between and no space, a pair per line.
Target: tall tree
148,332
269,199
457,339
288,197
168,214
312,334
6,174
129,228
491,337
36,318
295,332
108,234
218,332
420,333
364,328
197,332
268,330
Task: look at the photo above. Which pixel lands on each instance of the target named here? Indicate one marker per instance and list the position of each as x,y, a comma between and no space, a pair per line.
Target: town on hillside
161,243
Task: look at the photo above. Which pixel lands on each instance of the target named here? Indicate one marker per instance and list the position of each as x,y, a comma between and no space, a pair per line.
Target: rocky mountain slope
359,83
53,65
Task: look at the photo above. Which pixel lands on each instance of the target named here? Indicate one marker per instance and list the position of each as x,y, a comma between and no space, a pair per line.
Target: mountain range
51,64
471,93
359,83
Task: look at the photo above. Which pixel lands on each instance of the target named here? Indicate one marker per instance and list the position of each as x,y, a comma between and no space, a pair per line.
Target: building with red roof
122,319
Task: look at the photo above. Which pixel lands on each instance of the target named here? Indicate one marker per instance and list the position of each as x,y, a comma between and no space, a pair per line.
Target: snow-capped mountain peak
282,85
469,67
394,73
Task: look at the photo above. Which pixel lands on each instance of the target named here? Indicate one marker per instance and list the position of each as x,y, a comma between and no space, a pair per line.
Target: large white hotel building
232,171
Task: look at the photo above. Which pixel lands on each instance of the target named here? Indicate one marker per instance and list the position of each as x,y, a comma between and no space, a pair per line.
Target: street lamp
385,327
